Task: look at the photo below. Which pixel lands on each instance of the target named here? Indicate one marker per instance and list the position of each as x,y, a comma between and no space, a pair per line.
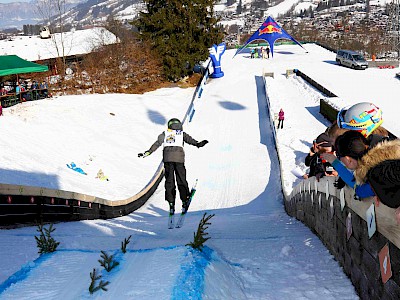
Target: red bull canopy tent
269,31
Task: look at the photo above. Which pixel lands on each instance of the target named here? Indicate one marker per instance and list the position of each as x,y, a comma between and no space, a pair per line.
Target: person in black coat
318,167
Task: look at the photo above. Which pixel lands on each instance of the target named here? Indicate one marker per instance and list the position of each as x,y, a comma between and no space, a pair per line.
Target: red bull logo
270,27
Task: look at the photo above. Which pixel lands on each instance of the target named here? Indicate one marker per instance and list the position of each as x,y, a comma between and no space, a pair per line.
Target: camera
329,170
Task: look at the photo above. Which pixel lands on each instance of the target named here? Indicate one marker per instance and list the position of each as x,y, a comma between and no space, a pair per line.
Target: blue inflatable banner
215,55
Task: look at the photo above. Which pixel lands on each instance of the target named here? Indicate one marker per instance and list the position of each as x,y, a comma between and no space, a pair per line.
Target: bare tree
52,13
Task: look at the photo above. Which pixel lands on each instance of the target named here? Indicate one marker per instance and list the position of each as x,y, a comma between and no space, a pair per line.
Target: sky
256,250
11,1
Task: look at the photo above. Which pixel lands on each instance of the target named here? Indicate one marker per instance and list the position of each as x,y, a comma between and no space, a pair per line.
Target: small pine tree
199,238
102,284
125,243
45,242
107,261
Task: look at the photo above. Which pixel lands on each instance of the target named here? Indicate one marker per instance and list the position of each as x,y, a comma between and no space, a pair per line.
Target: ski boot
185,204
171,221
171,208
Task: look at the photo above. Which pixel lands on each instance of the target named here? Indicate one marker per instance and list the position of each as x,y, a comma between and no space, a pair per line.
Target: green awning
13,64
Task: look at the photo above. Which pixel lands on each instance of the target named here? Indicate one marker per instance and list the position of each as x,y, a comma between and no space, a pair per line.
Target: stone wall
324,209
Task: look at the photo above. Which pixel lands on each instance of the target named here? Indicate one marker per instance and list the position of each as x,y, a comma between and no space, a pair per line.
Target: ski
181,219
171,221
182,216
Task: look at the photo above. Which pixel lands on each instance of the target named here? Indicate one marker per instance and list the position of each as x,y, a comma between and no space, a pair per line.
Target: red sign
384,261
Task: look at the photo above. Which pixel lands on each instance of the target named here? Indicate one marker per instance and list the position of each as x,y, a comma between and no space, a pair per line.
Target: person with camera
318,166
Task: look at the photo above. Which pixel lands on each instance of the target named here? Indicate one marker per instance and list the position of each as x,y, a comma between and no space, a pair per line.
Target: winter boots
171,208
185,204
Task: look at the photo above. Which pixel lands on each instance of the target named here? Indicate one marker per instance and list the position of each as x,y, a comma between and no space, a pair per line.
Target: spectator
3,91
264,53
44,89
363,117
281,117
18,89
267,51
381,168
334,131
252,53
350,148
34,85
318,167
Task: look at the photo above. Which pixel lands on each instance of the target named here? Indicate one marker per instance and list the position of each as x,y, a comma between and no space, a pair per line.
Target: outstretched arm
362,190
154,147
191,141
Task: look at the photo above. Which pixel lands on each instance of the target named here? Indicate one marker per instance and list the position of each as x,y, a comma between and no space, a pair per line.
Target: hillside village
354,24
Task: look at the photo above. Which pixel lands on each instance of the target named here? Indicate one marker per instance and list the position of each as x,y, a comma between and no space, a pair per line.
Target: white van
44,32
351,59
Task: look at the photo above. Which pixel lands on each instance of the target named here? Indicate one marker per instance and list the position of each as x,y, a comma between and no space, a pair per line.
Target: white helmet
364,117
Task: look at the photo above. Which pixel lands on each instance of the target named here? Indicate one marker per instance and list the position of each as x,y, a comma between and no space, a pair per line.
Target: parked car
351,59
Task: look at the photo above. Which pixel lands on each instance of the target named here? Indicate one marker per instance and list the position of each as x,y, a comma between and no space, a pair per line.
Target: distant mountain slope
77,12
97,11
16,14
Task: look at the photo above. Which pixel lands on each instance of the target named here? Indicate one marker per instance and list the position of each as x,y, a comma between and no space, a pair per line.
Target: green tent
13,64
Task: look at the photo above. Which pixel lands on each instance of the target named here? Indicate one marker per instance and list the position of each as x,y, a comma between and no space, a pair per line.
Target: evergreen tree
181,31
45,242
200,237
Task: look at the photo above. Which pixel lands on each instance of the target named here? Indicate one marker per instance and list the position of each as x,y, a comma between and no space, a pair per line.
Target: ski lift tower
393,27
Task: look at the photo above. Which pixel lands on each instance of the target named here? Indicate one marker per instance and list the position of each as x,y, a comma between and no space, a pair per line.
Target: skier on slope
174,161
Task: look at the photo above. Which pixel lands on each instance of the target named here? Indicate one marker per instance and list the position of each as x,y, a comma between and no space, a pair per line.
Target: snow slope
255,252
76,42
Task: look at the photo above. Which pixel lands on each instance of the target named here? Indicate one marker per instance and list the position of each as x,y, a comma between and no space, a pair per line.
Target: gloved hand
202,143
147,153
339,183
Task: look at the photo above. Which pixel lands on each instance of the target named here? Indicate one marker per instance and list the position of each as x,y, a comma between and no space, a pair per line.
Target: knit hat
325,140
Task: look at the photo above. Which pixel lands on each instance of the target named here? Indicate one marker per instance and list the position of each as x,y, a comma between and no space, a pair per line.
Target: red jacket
281,115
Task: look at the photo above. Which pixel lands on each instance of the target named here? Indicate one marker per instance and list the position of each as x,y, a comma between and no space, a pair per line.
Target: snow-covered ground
75,42
255,252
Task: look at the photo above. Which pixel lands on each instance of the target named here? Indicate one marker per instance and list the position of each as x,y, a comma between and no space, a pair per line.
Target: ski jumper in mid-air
173,140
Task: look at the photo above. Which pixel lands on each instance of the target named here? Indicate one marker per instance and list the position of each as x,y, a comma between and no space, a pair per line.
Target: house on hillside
71,45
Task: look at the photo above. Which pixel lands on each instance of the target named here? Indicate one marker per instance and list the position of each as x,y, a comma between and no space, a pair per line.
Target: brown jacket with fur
387,150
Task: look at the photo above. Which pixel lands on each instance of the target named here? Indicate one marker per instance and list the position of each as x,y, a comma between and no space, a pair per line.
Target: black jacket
380,167
316,165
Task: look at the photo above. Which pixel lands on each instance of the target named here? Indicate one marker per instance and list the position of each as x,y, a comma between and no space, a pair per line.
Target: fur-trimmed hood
386,150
